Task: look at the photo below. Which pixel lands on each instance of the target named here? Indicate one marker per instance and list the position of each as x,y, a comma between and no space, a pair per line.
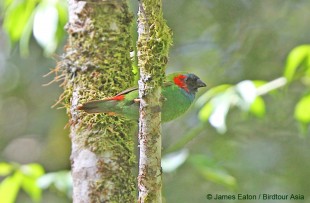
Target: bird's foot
136,101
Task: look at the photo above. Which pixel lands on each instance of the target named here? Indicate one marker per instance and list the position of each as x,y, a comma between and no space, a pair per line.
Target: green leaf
9,187
6,3
62,10
212,93
172,161
302,109
258,107
246,92
29,184
205,112
26,35
135,69
45,26
209,170
46,180
61,180
46,21
5,169
221,105
216,103
295,58
16,17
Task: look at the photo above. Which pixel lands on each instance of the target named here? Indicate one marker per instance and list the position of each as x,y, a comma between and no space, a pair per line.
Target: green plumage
178,93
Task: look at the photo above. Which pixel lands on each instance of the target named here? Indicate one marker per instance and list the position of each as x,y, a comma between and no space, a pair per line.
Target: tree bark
154,39
97,64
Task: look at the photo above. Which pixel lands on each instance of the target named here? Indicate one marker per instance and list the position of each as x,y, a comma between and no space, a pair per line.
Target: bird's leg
111,113
136,101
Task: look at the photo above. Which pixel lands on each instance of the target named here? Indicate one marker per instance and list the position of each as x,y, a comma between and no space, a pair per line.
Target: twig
272,85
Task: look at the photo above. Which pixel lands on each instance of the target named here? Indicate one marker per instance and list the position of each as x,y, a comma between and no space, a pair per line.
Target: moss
96,65
153,46
154,42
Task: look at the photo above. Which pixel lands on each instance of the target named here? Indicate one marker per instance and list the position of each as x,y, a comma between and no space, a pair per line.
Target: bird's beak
200,83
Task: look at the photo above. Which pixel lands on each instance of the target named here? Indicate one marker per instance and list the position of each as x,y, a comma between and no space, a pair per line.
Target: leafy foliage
298,63
245,95
302,110
44,18
32,179
220,99
20,177
61,180
204,165
298,68
211,171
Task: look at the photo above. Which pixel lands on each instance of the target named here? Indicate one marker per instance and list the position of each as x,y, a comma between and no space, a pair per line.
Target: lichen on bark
155,38
153,45
96,64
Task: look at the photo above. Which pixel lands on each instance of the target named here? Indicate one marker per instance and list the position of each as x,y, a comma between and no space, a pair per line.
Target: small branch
272,85
153,43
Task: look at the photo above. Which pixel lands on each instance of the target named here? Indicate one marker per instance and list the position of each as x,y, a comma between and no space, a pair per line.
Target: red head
189,82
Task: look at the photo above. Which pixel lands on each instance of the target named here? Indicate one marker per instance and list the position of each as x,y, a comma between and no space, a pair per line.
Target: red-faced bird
178,93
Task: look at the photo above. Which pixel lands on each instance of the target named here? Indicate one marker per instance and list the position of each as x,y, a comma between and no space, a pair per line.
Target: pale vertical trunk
97,64
153,43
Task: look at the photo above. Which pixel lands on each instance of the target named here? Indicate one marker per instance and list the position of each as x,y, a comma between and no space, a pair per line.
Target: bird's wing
168,83
165,84
127,91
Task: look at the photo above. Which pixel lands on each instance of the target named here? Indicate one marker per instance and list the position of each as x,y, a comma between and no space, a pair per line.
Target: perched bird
178,94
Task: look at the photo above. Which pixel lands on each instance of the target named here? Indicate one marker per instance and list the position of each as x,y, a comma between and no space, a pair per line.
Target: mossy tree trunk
153,44
97,64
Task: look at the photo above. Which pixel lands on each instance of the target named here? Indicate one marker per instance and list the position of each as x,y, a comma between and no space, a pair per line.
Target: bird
177,95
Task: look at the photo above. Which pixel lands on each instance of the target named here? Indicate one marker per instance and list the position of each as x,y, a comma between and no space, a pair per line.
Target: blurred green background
262,151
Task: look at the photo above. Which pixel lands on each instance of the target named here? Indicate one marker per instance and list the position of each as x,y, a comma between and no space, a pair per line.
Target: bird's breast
177,102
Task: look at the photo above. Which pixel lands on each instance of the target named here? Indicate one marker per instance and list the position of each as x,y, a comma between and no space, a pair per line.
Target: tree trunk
96,65
153,44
